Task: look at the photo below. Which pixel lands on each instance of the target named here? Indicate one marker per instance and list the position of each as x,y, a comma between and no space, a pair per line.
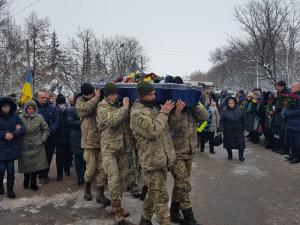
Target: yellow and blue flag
27,89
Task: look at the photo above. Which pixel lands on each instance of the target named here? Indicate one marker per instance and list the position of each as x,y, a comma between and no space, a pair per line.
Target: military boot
189,217
10,187
101,199
1,184
174,213
118,211
87,191
144,193
145,222
241,155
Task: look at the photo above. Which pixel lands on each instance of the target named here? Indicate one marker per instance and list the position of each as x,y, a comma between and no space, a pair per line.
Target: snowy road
264,190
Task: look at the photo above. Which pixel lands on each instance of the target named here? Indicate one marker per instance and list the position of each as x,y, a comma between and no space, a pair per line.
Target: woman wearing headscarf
33,155
232,126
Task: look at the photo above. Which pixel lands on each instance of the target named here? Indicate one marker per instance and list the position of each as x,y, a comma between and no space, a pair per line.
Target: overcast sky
177,35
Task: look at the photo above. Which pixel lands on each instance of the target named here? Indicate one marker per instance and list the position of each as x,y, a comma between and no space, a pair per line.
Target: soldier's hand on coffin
179,106
168,106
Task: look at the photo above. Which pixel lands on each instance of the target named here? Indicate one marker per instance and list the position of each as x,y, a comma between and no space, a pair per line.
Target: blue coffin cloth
189,94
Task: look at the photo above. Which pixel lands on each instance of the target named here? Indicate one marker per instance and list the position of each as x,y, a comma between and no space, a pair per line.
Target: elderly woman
232,126
33,158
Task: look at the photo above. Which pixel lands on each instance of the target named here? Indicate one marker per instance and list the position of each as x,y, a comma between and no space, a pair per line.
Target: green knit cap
144,88
110,89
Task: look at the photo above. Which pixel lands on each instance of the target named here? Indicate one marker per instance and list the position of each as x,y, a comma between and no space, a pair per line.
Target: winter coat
241,101
184,132
50,115
33,157
10,150
213,120
293,116
112,121
260,116
232,127
87,111
153,139
75,131
250,114
277,118
63,131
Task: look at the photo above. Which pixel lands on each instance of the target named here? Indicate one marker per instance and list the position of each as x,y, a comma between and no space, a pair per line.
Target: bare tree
37,34
263,23
11,47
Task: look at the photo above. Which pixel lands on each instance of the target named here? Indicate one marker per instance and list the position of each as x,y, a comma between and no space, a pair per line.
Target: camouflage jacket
90,137
113,124
184,132
153,139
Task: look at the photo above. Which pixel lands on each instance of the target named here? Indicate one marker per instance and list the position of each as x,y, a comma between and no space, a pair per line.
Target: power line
28,6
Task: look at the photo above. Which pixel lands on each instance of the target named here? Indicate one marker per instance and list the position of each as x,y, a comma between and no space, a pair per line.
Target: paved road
264,190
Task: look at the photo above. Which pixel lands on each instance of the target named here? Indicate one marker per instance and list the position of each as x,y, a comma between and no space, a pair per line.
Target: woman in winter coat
232,126
249,110
208,134
33,158
64,157
11,129
75,143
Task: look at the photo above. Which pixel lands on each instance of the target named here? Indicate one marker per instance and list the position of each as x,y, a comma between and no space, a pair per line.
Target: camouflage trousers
94,167
115,166
133,171
157,197
181,172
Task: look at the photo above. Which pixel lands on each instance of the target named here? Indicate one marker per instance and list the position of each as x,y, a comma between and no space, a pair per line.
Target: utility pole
256,74
142,64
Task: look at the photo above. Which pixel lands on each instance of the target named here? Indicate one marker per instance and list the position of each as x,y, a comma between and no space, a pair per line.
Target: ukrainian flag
27,89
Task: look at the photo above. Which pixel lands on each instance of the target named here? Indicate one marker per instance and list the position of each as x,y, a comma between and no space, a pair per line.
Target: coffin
189,94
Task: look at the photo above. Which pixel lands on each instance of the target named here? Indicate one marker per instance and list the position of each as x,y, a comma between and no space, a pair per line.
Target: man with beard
86,106
156,151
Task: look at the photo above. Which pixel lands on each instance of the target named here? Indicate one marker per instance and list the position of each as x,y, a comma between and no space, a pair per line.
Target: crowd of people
272,116
113,141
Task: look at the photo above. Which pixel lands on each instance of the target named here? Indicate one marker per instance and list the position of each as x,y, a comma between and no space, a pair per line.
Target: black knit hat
281,83
60,99
87,89
110,89
144,88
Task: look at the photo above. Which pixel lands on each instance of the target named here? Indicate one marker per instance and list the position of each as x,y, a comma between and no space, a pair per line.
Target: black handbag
218,140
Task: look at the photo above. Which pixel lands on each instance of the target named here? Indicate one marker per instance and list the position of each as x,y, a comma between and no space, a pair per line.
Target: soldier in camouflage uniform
155,149
183,124
86,106
113,124
133,172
